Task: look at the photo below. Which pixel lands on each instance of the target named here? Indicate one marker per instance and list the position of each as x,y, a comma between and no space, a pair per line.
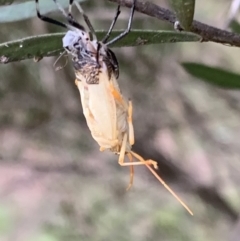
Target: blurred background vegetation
56,185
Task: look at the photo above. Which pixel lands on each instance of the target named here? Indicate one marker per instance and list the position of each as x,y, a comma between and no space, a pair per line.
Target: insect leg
105,39
131,172
141,160
123,34
160,179
85,17
130,124
131,141
69,17
47,19
117,96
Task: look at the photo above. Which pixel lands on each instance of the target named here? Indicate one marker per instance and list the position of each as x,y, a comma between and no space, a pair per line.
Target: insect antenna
47,19
59,57
123,34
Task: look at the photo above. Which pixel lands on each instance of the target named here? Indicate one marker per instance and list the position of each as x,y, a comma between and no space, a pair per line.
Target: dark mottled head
80,46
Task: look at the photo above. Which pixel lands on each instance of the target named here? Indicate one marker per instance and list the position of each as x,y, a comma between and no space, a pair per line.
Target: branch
208,33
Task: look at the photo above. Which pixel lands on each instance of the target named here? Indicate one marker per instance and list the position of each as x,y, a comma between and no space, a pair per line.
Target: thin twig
208,33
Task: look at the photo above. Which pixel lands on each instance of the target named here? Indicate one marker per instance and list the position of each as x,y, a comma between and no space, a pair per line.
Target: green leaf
51,44
235,26
21,11
213,75
6,2
31,47
184,10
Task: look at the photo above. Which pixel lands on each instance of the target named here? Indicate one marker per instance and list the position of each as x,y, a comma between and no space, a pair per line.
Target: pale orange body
109,115
105,110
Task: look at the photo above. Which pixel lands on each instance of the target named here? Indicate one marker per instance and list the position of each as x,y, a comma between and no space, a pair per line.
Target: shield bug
108,114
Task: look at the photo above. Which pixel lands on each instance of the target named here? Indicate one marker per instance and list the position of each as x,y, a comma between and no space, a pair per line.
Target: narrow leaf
51,44
21,11
184,10
6,2
213,75
235,26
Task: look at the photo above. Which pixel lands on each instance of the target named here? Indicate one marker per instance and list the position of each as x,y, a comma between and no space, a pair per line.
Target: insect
108,114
